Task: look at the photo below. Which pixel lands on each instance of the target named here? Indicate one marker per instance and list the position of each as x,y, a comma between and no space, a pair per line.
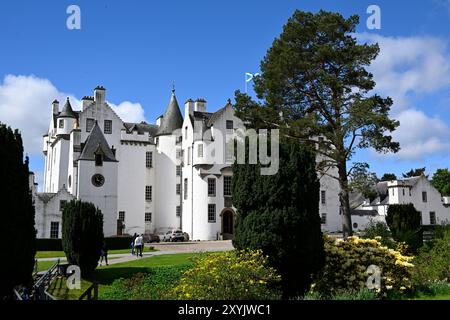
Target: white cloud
420,135
406,68
25,104
129,111
405,65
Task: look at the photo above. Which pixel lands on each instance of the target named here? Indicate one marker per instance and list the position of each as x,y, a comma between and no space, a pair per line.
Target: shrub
232,275
362,294
379,229
433,264
119,242
155,284
49,245
347,262
279,214
17,233
405,224
82,235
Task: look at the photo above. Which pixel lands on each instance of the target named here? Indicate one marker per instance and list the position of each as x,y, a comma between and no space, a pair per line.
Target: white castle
150,178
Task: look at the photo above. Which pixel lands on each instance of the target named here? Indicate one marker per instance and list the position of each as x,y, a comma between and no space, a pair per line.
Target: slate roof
95,143
45,197
172,118
141,128
67,111
357,212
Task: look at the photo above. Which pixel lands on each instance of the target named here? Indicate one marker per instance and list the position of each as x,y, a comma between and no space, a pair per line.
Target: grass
61,254
107,274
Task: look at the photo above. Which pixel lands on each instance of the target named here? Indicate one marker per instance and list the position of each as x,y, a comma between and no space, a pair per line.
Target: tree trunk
344,200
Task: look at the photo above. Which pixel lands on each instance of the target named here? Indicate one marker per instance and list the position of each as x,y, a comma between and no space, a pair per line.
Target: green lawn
107,274
61,254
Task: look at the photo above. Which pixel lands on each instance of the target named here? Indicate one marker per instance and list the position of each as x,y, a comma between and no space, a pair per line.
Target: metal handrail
88,293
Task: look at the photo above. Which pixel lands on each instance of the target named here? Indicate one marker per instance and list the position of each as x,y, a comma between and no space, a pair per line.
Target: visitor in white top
138,245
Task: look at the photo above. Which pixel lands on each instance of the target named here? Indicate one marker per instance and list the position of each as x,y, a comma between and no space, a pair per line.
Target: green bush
405,224
279,214
379,229
119,242
347,262
362,294
49,245
82,235
232,275
156,284
433,264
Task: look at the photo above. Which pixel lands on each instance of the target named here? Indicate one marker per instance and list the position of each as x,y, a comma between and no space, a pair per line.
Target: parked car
173,235
151,237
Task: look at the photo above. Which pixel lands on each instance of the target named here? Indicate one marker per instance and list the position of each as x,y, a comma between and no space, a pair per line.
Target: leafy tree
404,221
279,214
314,83
17,232
82,237
363,181
388,177
414,173
441,181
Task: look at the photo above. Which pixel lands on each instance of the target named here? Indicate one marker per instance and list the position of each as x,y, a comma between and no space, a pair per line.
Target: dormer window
98,160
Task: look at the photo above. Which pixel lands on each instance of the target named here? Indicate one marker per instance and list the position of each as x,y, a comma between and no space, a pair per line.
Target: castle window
178,188
211,213
148,193
323,218
211,187
61,123
54,230
149,159
432,218
89,124
98,159
122,216
185,133
200,150
185,188
107,128
424,196
148,217
229,151
323,198
178,212
62,203
189,156
178,171
230,124
227,186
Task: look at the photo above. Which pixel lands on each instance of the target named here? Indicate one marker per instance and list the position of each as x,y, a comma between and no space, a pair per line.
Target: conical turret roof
67,111
172,118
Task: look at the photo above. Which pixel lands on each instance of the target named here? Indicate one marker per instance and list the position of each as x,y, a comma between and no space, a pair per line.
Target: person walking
132,243
104,253
138,243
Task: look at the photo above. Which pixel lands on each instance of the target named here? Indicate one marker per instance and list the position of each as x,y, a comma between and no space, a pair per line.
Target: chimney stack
86,102
200,105
99,94
188,107
55,106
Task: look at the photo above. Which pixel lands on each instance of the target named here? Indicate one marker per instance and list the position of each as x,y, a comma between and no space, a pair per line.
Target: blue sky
137,48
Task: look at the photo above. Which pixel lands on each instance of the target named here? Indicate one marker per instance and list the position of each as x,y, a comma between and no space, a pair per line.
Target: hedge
112,243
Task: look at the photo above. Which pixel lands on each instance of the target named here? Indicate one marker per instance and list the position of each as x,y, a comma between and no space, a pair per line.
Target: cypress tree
405,224
82,235
279,214
17,232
